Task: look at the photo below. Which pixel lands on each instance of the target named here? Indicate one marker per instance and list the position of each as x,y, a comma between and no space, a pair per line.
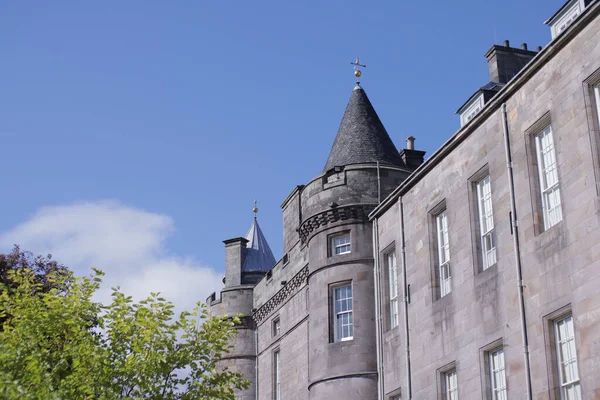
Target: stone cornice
297,281
358,212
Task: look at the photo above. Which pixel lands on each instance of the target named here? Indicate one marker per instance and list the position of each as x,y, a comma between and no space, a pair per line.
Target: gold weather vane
255,209
357,65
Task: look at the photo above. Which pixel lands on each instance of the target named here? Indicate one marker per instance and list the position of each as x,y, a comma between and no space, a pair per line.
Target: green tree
48,350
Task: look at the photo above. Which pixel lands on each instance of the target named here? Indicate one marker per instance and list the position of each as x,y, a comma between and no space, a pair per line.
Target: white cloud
125,242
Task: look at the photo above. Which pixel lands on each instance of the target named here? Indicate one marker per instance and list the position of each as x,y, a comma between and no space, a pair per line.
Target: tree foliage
41,266
48,350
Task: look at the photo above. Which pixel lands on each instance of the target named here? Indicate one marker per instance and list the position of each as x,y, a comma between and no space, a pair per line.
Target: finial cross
255,209
357,65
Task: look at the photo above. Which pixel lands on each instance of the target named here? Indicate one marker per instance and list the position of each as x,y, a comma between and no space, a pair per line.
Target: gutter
494,104
378,327
515,229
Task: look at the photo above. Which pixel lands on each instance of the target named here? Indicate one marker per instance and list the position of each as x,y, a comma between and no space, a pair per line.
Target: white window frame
276,326
443,250
548,176
497,369
341,244
343,313
569,15
471,110
486,222
451,385
596,88
564,335
277,375
393,289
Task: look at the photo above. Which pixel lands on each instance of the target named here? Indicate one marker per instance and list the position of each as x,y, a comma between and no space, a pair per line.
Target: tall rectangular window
443,250
497,374
342,303
486,222
340,244
567,358
548,174
451,385
277,375
393,281
276,327
597,98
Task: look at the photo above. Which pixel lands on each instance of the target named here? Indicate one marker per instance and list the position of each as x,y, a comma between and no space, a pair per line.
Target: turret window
340,244
276,328
277,375
343,324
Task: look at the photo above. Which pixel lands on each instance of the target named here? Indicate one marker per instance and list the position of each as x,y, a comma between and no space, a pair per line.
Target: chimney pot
506,43
410,143
539,48
524,46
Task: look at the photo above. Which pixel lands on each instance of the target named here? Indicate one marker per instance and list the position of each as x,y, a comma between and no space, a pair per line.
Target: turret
247,260
363,167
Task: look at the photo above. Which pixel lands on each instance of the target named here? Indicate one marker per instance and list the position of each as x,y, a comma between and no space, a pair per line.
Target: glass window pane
567,358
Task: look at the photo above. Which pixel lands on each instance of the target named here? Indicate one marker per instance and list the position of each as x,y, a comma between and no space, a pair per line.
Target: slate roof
362,138
489,90
259,256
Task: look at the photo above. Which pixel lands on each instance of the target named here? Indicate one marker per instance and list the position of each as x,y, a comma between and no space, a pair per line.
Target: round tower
363,167
247,260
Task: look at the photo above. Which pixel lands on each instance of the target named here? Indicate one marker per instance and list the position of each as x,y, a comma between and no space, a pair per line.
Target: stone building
472,275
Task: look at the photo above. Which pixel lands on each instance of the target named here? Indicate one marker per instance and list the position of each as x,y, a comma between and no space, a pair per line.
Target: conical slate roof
259,256
361,137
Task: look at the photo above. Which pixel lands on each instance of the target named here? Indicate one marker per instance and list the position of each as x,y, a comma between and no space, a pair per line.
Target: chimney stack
504,62
411,157
235,255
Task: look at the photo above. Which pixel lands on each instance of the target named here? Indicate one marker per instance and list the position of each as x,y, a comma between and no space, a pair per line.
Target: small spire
357,66
255,209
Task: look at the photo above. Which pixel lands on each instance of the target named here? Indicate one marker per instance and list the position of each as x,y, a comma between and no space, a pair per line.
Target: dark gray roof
259,256
362,137
489,90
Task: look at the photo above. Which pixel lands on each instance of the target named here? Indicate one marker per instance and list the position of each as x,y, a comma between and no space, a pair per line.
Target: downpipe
517,251
405,300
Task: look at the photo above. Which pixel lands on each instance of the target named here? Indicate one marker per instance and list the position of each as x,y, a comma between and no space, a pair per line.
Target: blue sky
150,126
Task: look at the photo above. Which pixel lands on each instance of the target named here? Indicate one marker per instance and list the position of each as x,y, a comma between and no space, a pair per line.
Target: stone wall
561,266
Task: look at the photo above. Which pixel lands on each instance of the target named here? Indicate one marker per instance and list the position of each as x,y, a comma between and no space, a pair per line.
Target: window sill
484,275
443,302
342,343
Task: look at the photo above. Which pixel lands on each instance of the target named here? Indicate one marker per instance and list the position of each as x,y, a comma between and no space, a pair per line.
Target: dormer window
560,21
471,109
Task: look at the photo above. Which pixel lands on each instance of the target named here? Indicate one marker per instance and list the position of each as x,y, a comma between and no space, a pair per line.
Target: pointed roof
259,256
362,137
